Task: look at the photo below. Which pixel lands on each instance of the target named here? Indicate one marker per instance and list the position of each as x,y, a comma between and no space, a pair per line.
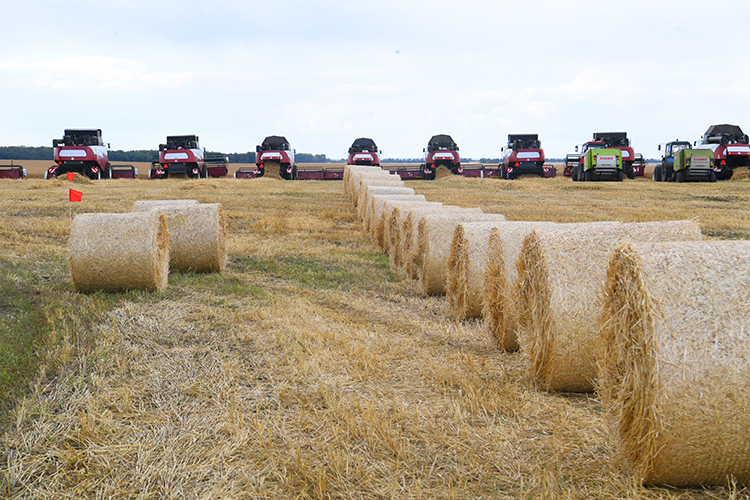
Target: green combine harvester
598,163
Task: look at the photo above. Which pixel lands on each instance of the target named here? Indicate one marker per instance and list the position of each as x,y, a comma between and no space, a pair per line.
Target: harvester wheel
574,176
657,174
680,177
711,176
621,176
629,171
667,175
588,175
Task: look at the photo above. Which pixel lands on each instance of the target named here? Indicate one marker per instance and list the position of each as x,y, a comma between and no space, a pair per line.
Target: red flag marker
75,195
71,176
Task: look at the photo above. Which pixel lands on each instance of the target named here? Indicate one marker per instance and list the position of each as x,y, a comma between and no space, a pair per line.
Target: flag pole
70,203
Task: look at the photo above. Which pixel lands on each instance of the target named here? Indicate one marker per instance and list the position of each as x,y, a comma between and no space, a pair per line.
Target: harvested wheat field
309,368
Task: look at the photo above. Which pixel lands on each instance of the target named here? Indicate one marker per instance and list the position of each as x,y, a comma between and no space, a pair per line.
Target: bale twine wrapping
563,275
375,214
197,237
675,365
146,205
465,268
115,252
363,209
500,285
390,221
435,235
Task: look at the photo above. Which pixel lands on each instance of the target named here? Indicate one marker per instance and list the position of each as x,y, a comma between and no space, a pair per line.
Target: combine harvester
682,163
364,151
441,150
274,152
730,147
632,163
524,155
182,155
83,151
12,171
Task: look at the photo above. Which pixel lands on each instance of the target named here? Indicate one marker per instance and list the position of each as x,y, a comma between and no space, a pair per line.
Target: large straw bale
197,237
391,218
501,285
563,274
465,268
364,183
366,173
375,214
146,205
675,365
113,252
363,209
662,231
435,235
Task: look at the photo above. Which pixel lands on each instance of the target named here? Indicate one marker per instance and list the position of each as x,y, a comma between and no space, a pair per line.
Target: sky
324,73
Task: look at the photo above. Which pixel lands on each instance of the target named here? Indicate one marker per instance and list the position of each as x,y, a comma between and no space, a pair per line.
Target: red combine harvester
730,147
364,151
441,150
182,155
275,152
84,152
524,155
12,171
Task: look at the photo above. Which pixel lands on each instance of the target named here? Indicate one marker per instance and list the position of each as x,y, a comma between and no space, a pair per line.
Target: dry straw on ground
563,271
501,286
675,366
465,268
197,237
435,233
146,205
114,252
363,210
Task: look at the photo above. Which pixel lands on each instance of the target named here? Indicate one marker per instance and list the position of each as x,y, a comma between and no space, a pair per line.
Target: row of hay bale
135,251
648,314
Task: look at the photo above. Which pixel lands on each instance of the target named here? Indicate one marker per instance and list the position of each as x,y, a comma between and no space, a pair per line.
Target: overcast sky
325,72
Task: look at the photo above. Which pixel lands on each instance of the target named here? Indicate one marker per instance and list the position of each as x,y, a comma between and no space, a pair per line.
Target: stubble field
311,368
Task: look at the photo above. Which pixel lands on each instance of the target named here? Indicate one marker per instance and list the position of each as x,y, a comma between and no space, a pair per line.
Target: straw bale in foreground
563,272
390,221
465,268
434,240
146,205
675,366
197,237
114,252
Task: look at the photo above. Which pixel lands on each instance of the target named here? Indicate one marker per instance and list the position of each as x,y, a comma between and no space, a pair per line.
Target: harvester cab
81,151
364,151
620,140
273,152
524,155
730,147
183,155
598,163
441,150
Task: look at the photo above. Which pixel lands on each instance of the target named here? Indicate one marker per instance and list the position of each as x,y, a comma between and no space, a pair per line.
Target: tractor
364,151
682,163
598,163
182,155
81,151
524,155
730,147
441,150
273,152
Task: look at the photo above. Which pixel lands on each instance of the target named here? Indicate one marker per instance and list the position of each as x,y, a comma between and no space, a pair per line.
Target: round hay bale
465,268
675,362
434,244
197,237
359,172
390,217
375,218
146,205
363,209
563,276
500,285
115,252
364,183
662,231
